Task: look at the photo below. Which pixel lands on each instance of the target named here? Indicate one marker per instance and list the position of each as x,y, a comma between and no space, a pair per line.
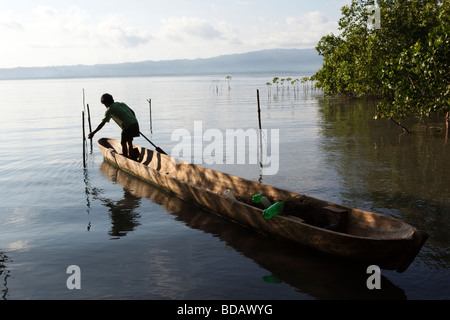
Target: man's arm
100,126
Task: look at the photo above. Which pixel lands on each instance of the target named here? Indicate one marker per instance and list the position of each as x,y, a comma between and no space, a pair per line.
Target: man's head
107,100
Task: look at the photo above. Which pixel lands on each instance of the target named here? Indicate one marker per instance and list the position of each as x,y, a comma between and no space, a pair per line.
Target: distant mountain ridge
274,61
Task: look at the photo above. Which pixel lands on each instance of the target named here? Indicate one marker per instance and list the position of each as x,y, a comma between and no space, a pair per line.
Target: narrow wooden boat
349,233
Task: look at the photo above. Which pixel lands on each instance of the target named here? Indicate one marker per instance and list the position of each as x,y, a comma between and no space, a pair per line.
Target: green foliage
405,62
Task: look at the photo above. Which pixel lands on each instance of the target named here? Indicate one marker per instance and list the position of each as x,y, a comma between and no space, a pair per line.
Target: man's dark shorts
129,133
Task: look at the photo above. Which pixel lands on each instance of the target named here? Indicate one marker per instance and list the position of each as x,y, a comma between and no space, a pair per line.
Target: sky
69,32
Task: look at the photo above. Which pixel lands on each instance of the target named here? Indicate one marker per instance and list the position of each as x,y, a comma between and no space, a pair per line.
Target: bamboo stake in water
259,110
260,131
151,122
84,102
84,140
89,120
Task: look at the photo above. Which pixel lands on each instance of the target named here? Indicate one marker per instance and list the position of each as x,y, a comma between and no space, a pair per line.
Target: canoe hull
367,241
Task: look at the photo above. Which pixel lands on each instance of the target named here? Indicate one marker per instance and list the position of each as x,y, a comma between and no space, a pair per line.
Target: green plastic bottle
273,210
257,198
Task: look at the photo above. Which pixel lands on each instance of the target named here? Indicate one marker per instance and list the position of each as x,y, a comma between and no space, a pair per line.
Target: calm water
133,241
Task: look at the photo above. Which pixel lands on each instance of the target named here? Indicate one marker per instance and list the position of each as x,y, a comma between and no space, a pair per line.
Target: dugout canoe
362,236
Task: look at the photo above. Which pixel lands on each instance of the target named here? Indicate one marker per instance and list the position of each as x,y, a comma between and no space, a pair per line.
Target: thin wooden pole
89,120
84,140
84,102
260,131
150,107
259,110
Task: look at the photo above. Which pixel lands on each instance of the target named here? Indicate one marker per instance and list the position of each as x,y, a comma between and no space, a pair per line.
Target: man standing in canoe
125,118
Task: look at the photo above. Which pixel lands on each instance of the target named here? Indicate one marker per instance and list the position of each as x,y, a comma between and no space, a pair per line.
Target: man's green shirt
121,114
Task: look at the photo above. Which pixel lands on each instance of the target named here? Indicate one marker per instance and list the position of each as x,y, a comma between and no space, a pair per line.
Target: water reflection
308,272
383,170
122,213
123,217
4,275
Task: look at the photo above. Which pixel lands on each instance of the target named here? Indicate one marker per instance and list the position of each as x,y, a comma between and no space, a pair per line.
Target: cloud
11,25
114,32
45,12
198,32
180,29
48,35
190,38
74,27
303,31
198,36
8,22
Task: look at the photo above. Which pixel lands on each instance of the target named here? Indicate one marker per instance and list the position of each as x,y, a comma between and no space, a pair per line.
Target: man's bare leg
124,149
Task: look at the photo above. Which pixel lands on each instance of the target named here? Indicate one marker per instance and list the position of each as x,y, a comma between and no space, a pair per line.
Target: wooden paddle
157,148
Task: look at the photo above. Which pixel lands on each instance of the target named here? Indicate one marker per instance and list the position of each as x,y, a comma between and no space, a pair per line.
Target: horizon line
127,62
